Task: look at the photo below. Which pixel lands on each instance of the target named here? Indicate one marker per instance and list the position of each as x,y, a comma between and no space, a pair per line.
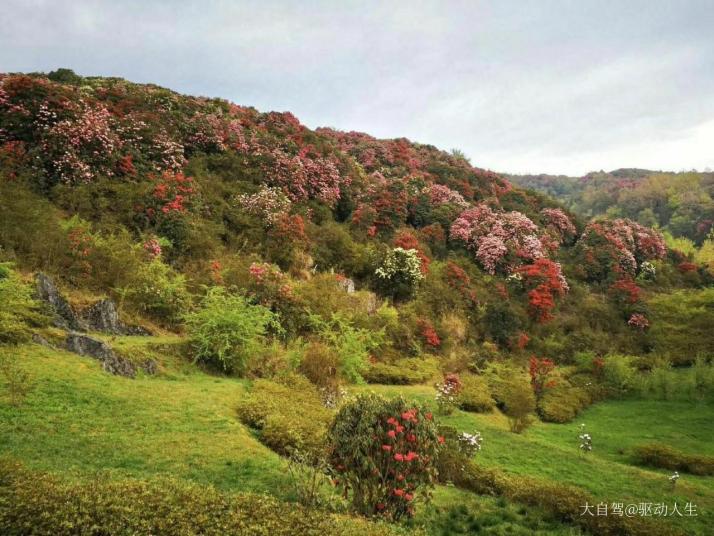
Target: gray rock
103,316
65,316
111,362
39,339
347,285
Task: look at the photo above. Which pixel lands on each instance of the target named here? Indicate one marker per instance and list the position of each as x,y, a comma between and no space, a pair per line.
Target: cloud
552,86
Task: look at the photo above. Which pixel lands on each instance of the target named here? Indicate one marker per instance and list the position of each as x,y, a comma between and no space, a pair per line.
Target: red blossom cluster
428,333
458,279
544,279
406,240
539,371
153,247
625,290
686,267
172,193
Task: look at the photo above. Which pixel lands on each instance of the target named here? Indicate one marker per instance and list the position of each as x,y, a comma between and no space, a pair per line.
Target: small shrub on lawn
562,403
42,505
290,415
16,381
406,371
320,364
475,394
665,457
384,452
519,403
227,330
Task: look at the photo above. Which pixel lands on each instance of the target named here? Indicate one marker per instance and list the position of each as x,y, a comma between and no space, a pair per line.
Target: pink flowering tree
500,241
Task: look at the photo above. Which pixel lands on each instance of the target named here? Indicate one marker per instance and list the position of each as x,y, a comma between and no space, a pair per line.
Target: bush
384,451
665,457
519,403
351,344
402,372
562,403
159,291
16,381
475,394
42,505
290,415
227,330
319,364
19,312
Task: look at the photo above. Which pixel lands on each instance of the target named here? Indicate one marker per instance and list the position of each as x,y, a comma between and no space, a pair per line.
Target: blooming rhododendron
499,239
545,280
639,321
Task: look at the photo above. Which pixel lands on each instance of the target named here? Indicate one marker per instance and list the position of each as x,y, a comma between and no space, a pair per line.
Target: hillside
198,301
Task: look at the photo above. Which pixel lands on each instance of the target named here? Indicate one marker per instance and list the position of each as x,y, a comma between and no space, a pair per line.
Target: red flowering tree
383,452
428,334
540,371
544,281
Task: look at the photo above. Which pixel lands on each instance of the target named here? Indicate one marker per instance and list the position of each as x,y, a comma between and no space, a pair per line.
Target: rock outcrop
82,344
65,316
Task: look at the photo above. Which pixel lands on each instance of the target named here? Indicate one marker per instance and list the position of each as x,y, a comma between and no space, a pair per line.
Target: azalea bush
384,453
227,330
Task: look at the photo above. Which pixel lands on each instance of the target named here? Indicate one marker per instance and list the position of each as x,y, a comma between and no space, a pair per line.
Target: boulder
347,284
65,316
103,316
82,344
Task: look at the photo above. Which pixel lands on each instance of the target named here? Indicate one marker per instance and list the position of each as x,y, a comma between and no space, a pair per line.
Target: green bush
42,505
402,372
475,394
562,403
384,451
320,364
665,457
290,415
19,312
227,330
519,403
157,290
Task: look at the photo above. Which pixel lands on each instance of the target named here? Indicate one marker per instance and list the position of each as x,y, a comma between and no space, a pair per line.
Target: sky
518,86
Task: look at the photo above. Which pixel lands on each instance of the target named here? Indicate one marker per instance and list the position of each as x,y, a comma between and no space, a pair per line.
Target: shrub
40,504
402,372
351,344
665,457
18,310
400,273
290,415
227,330
14,378
519,404
384,451
456,453
475,394
319,364
159,291
562,403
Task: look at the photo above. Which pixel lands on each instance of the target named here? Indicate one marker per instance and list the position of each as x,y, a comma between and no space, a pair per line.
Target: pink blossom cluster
639,321
496,236
79,146
267,203
213,132
153,247
630,243
559,223
440,194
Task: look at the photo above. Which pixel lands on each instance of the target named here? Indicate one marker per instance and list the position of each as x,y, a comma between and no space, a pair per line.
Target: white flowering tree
399,273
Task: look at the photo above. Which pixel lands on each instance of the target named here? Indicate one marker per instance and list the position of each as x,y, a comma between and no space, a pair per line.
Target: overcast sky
519,86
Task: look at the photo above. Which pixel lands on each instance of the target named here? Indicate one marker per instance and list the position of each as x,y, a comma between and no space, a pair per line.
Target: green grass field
79,420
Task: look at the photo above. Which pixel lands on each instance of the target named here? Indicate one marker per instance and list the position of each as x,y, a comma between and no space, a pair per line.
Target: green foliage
14,378
384,452
40,504
519,403
227,330
681,324
19,312
562,403
693,384
320,364
351,344
406,371
475,394
158,291
501,322
665,457
290,415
